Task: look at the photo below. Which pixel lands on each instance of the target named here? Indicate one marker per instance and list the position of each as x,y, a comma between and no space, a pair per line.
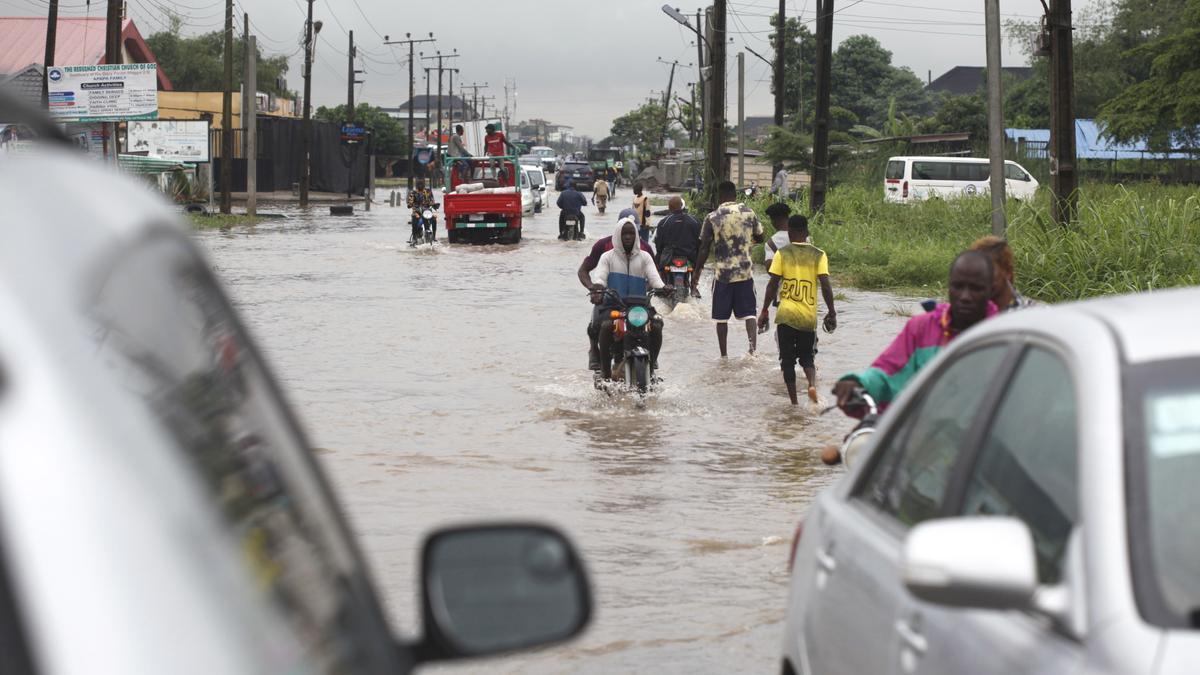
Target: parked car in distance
528,199
1026,506
909,179
547,157
578,172
537,182
163,510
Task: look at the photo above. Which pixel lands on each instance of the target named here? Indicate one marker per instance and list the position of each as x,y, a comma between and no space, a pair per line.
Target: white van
909,179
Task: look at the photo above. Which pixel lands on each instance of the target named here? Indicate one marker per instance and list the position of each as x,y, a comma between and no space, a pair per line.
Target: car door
856,590
172,340
1018,183
932,178
1025,466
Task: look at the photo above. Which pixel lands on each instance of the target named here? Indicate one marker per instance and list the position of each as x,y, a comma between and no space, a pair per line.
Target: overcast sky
575,62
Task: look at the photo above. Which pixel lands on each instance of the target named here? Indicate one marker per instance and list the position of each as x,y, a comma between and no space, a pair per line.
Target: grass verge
220,221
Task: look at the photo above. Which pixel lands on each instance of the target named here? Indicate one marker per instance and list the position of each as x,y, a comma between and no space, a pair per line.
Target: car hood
1180,653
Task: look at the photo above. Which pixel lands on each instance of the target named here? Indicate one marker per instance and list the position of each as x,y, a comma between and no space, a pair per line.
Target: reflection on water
450,384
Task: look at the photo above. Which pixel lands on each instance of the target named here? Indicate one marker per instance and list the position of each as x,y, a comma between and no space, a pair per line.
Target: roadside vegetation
220,221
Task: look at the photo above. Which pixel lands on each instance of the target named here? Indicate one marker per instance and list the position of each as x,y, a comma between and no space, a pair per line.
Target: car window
970,172
932,170
1014,172
169,336
909,480
895,170
1027,461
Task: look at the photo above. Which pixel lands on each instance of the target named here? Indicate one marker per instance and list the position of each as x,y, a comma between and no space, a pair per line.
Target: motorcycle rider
420,198
602,245
629,271
571,202
678,235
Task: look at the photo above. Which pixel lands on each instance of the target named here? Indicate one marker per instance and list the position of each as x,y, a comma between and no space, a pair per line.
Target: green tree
864,80
960,113
799,55
387,133
1163,108
642,126
197,63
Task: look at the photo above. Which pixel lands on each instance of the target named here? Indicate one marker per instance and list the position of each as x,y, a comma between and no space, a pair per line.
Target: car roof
1148,326
934,158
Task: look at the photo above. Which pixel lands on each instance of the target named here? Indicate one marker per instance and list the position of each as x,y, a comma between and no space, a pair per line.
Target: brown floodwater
449,385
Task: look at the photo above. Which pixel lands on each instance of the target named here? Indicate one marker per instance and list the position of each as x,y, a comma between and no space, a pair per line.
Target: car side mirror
983,562
497,588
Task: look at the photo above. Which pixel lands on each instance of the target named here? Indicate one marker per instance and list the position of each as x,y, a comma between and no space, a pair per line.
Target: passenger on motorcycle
677,236
571,202
419,198
629,271
925,335
602,245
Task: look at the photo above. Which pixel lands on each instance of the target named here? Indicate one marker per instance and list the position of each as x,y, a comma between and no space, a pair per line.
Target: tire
452,237
641,375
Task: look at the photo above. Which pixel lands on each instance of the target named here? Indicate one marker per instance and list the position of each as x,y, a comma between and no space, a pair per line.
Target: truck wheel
452,237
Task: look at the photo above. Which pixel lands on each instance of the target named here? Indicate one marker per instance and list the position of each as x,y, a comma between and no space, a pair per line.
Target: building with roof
426,107
25,83
1090,143
961,80
79,42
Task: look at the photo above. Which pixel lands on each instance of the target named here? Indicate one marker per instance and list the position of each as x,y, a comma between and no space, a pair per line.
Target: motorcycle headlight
428,213
638,317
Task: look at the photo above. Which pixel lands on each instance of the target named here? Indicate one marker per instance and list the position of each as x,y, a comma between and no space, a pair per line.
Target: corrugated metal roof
26,83
79,42
1090,144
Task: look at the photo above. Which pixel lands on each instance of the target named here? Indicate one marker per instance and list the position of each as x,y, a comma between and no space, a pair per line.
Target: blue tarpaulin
1089,144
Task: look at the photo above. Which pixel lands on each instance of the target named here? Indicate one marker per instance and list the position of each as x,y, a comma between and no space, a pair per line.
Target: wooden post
995,115
250,125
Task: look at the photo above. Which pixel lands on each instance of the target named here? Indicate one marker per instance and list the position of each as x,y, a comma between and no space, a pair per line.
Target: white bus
909,179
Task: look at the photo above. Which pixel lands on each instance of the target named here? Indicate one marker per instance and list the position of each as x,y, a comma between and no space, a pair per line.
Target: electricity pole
112,55
820,177
995,114
1063,181
250,122
667,103
450,123
227,116
48,60
474,87
306,128
780,89
351,72
716,102
439,57
700,81
412,83
741,61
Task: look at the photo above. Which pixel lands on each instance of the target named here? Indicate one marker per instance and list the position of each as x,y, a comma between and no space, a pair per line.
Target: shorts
734,297
796,346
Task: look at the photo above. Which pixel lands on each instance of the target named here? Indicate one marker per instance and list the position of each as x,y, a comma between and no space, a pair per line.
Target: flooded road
450,385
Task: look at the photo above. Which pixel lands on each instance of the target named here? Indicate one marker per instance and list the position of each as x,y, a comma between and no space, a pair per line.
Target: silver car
161,510
1028,505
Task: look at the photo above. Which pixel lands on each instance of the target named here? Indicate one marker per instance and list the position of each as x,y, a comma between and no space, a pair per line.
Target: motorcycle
632,323
852,445
427,225
752,191
571,227
678,273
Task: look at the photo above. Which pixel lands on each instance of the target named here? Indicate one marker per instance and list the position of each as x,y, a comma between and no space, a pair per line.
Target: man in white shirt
779,185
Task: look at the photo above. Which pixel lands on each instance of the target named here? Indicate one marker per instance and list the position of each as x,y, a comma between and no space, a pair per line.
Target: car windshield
1163,405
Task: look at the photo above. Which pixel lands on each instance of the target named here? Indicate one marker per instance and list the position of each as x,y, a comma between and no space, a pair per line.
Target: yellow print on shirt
798,290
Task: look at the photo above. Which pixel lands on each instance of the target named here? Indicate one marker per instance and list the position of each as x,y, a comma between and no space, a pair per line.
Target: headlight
638,317
428,214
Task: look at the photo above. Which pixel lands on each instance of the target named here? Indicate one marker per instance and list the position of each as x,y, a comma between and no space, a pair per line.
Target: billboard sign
103,93
180,140
352,133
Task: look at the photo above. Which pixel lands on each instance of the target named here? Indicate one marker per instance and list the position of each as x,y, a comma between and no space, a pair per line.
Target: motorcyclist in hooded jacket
630,272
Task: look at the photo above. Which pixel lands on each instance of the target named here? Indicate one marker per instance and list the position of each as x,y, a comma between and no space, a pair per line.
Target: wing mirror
983,562
498,588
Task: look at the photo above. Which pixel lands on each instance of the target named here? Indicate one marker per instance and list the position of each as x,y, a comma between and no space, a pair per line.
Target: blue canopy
1089,144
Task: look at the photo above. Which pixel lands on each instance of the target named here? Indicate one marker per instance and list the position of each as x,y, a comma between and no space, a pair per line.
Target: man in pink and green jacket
924,336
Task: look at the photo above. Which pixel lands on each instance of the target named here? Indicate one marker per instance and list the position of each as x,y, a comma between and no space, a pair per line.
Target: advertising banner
104,93
180,140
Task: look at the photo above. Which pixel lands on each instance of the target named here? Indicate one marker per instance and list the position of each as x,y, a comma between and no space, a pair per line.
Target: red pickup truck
482,201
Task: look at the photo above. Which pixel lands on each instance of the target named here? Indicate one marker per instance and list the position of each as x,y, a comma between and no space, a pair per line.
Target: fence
333,167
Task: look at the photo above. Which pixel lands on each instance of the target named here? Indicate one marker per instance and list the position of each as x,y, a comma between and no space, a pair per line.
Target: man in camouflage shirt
728,234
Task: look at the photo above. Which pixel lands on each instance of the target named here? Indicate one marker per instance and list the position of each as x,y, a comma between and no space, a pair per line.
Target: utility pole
245,104
820,177
741,60
439,57
700,80
995,114
250,124
351,72
412,83
450,124
48,60
667,104
474,87
1063,181
112,55
227,116
716,108
780,87
306,127
693,131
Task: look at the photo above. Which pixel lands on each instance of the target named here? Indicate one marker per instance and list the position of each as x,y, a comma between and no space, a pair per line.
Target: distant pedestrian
779,185
641,211
796,271
778,213
728,234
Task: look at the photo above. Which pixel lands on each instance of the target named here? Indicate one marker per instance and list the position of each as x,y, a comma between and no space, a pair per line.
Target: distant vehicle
579,173
168,514
537,182
1026,506
547,157
529,201
483,200
602,159
909,179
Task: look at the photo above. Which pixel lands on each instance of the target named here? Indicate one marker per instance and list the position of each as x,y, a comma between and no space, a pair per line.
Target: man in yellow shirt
796,270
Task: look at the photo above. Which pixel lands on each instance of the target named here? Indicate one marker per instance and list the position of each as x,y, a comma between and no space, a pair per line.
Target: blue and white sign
103,93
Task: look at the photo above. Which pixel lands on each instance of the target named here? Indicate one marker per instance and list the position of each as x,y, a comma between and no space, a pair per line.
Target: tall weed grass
1126,238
